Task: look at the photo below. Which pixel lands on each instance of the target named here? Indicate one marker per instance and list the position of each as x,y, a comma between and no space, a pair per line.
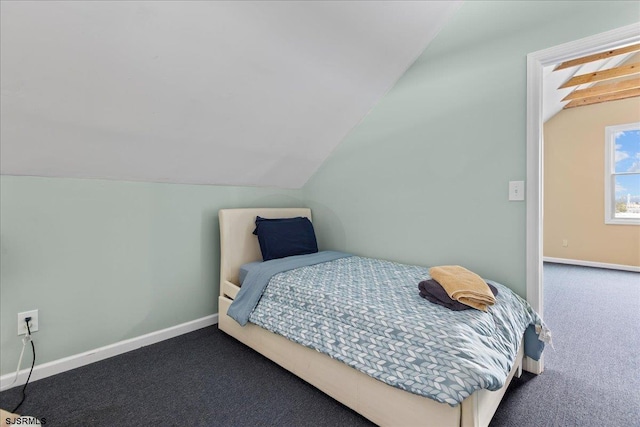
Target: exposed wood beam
623,70
603,98
604,89
597,56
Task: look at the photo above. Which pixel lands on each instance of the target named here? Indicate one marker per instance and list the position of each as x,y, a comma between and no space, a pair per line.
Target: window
622,174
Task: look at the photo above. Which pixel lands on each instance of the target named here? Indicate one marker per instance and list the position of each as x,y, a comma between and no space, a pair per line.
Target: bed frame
375,400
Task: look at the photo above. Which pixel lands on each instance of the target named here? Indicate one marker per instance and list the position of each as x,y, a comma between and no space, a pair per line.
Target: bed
381,403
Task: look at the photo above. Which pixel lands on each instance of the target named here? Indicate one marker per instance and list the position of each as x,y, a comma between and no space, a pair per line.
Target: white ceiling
239,93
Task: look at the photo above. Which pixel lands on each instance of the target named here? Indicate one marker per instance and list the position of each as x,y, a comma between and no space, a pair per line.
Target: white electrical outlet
33,323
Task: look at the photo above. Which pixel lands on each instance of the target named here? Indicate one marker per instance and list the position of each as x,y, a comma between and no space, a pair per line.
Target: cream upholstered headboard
238,244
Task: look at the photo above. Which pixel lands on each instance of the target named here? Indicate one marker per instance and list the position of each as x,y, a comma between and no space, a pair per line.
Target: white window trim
609,169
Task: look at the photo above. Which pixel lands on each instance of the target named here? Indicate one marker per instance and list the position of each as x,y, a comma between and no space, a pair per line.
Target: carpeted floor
206,378
592,378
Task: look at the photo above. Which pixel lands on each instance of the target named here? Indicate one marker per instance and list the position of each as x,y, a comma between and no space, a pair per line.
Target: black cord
32,365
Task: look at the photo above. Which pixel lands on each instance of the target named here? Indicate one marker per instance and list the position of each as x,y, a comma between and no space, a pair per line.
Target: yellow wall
574,186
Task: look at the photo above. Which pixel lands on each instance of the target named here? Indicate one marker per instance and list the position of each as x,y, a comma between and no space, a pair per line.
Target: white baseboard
77,360
592,264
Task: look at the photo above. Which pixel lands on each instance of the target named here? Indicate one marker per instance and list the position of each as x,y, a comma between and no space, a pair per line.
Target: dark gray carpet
593,376
206,378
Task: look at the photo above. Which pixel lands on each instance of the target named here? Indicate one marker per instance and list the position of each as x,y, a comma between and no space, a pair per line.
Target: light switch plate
516,190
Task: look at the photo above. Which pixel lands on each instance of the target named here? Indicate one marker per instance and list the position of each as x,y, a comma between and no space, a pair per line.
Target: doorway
536,61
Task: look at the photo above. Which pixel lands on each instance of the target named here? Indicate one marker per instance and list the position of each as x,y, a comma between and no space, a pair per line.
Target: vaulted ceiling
234,93
600,77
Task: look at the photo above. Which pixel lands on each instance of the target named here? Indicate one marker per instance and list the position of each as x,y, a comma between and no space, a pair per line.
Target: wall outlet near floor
33,323
565,243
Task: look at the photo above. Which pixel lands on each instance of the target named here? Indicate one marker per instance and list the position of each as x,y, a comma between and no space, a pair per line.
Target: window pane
627,196
627,155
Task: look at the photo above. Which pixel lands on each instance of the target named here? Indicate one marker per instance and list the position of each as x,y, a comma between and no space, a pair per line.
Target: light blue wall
105,261
424,178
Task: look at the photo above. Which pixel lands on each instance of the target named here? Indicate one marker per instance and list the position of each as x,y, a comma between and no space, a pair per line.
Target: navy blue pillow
282,237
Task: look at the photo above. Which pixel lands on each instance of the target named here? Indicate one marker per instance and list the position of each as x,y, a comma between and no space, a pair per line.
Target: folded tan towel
463,285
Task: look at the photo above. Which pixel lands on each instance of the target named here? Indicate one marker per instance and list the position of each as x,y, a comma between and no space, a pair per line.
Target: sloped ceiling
553,79
233,93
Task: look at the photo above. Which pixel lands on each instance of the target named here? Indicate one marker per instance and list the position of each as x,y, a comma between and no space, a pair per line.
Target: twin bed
341,375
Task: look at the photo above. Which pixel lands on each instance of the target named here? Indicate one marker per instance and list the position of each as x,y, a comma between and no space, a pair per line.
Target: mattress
367,313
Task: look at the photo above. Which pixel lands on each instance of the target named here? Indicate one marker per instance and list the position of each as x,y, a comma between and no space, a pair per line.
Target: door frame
536,61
